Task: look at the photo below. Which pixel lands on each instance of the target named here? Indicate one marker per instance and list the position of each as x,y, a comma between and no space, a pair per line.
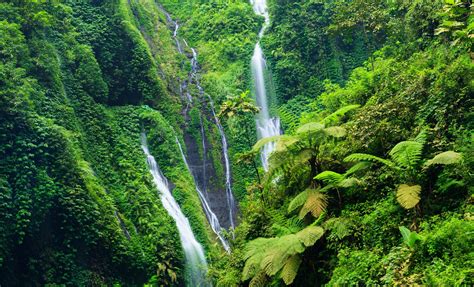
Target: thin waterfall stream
199,165
212,218
267,126
196,265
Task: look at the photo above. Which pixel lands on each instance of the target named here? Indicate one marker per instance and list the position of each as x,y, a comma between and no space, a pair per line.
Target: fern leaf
310,235
337,131
312,127
447,157
315,204
259,280
407,153
290,270
298,201
368,158
334,117
329,177
421,137
262,142
277,255
357,167
349,182
408,195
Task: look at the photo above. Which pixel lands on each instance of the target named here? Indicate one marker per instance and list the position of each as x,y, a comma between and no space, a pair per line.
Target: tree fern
445,158
290,270
298,201
288,117
368,158
259,280
329,177
316,203
262,142
357,167
310,235
408,195
336,131
334,117
407,154
272,255
312,127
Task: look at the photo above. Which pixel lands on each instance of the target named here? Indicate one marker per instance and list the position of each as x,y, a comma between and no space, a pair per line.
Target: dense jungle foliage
370,183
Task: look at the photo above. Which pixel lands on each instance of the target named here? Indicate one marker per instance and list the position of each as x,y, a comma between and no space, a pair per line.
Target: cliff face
80,82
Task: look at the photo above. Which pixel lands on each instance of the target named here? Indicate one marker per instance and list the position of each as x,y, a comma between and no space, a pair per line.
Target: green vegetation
370,184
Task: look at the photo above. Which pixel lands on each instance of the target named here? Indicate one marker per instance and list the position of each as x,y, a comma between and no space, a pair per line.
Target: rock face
203,169
203,135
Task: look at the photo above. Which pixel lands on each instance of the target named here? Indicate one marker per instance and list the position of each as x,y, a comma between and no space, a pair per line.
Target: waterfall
196,265
228,179
266,126
211,217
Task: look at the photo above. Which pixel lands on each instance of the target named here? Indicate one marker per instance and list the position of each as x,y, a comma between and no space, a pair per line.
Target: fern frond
276,256
357,167
340,227
315,204
368,158
334,117
407,153
310,235
255,246
349,182
421,137
312,127
259,280
337,131
288,117
262,142
298,201
329,177
290,269
445,158
408,195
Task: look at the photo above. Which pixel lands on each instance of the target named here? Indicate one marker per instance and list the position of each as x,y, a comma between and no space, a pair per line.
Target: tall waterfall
200,170
228,179
266,125
211,216
196,265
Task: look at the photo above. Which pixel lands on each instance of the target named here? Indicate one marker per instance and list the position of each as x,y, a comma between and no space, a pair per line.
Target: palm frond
356,157
408,195
445,158
407,153
290,269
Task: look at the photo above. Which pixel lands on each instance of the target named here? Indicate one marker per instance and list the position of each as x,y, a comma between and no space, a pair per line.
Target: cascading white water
211,217
228,175
196,265
266,126
228,179
193,77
